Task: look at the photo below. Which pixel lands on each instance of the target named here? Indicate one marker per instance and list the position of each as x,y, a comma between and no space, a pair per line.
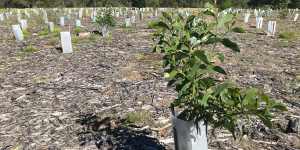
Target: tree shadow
112,134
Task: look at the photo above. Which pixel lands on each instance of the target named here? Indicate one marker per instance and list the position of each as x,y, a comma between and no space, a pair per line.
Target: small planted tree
192,66
105,22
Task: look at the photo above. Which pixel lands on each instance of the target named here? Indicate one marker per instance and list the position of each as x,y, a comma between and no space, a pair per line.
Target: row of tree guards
17,29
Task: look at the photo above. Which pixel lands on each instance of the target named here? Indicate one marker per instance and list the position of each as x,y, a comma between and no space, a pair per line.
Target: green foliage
46,32
294,4
26,33
191,69
93,37
152,3
77,30
223,4
30,49
75,39
288,35
238,30
106,20
151,24
56,32
283,14
280,3
43,32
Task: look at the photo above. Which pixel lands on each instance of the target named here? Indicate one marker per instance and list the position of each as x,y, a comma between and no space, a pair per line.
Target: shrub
190,69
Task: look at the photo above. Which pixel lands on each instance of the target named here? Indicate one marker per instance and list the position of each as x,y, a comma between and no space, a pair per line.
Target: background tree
152,3
294,4
149,3
280,3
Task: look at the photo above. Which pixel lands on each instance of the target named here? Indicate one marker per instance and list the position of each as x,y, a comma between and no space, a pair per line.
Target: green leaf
228,43
250,98
190,19
219,70
221,57
221,87
265,119
224,19
213,39
209,13
167,16
207,95
154,49
279,106
202,56
160,24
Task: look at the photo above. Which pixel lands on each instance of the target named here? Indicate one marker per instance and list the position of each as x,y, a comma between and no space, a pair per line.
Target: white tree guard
78,23
23,24
80,13
18,32
105,31
271,28
133,19
51,26
259,22
66,42
187,137
127,22
45,17
246,18
1,17
296,17
62,21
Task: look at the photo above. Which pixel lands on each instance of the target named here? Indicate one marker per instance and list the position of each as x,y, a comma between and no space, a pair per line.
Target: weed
40,79
128,29
56,32
288,35
75,39
30,49
43,32
77,30
138,117
140,56
93,37
26,33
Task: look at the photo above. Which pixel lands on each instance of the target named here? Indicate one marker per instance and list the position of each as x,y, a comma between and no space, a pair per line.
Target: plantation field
110,92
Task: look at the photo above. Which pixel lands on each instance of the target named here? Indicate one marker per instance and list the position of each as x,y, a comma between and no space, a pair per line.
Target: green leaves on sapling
190,67
229,44
105,19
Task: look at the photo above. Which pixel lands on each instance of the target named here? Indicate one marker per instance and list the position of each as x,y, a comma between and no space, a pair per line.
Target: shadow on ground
109,134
